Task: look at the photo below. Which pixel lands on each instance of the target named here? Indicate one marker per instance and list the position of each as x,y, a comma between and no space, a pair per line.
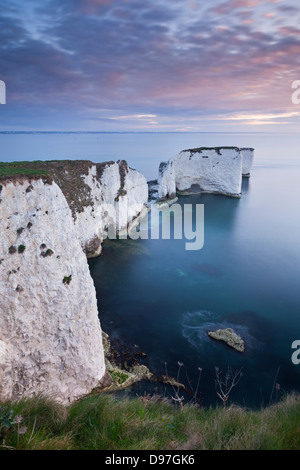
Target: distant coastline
141,132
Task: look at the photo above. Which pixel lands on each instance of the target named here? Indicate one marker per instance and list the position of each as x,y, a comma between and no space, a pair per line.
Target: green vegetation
12,249
150,423
67,174
217,149
67,279
25,168
8,419
46,253
118,376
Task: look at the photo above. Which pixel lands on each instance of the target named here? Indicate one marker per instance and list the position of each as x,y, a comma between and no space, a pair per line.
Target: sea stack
205,169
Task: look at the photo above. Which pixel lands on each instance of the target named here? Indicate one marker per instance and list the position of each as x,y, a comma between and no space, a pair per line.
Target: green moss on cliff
67,174
217,149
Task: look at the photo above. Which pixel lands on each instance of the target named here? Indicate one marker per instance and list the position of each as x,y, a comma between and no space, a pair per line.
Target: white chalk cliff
247,160
50,334
118,195
211,169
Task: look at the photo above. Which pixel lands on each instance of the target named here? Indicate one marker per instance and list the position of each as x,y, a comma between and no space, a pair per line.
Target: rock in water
229,337
205,169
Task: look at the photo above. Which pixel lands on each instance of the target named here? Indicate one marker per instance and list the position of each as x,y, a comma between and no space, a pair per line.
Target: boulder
229,337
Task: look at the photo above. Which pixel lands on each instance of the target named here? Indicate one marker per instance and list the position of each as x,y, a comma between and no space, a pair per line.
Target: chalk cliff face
214,170
50,335
247,157
119,194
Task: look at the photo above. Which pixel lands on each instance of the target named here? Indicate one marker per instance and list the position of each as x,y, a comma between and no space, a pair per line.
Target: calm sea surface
158,296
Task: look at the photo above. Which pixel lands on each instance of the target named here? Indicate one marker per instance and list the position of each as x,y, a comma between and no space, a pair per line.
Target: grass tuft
103,422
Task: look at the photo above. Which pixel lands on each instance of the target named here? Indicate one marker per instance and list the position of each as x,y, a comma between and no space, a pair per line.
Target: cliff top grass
104,422
12,169
40,167
67,174
217,149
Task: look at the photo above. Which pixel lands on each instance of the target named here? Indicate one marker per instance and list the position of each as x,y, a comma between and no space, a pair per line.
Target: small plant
276,386
118,376
195,398
48,252
176,386
67,279
12,249
20,230
21,248
224,385
8,420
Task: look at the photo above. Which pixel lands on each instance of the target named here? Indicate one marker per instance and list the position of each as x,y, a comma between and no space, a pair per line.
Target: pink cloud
289,31
230,5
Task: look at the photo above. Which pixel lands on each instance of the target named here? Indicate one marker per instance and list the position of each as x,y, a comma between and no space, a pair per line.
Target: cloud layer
166,65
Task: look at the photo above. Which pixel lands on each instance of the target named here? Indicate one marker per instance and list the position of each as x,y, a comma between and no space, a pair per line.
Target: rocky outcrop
228,336
247,160
51,217
120,373
119,194
205,169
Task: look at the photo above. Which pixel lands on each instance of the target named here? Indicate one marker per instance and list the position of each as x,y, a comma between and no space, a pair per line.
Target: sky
150,65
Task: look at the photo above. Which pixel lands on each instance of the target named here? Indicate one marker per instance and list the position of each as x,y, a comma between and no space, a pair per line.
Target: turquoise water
157,295
163,298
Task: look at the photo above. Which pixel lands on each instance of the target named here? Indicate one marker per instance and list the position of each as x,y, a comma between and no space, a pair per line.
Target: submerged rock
229,337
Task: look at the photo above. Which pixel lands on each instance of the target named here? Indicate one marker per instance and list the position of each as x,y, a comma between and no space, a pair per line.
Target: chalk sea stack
207,170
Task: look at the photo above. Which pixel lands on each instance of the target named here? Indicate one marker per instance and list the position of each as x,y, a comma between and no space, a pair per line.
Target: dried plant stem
224,385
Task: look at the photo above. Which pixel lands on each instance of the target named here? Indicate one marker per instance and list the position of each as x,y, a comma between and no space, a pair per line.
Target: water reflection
245,185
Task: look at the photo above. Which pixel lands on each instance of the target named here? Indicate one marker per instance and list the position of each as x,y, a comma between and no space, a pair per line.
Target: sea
157,300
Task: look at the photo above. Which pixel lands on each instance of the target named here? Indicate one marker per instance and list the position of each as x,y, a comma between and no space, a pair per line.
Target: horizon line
144,132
